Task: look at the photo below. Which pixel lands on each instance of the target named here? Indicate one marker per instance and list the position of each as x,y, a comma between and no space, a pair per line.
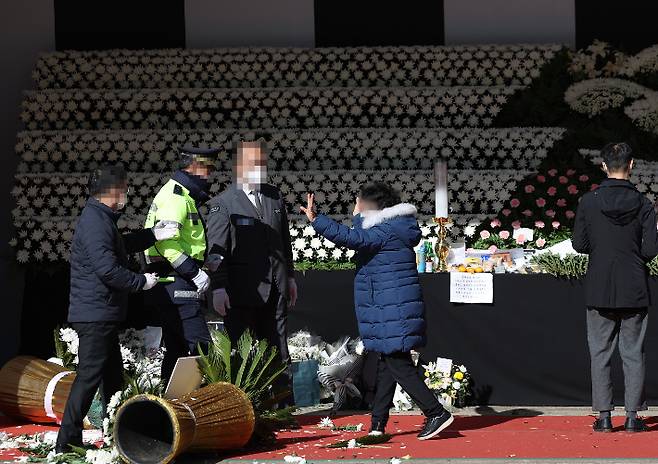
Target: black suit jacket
256,249
616,227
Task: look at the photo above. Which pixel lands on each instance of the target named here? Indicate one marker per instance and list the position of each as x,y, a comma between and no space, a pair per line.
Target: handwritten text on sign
471,288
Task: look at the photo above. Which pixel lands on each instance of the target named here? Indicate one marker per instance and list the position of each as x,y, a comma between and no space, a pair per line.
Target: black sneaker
435,425
377,429
635,424
602,424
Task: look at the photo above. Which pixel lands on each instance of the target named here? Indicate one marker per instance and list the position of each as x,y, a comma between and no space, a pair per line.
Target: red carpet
13,429
473,437
468,437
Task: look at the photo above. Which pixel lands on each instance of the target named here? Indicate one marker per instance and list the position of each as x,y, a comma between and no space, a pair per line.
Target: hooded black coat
616,227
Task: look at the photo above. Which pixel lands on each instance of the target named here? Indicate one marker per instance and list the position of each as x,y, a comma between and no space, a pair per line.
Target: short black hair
380,193
617,156
106,177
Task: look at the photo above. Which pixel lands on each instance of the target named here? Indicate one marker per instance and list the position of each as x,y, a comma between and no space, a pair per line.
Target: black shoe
434,425
635,424
602,424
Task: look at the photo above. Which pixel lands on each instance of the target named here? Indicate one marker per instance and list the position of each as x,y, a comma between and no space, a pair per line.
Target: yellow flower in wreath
459,375
427,374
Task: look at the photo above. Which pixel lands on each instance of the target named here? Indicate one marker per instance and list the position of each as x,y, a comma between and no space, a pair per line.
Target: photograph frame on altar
185,378
470,288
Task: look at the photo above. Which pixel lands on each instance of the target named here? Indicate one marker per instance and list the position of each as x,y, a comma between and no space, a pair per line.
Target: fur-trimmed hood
372,218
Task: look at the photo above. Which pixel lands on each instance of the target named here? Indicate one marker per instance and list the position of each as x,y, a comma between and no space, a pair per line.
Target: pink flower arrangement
495,223
561,202
541,179
540,224
514,202
506,212
583,178
529,188
551,191
520,239
484,234
504,234
563,180
540,202
540,243
516,224
493,248
570,214
550,213
527,213
571,172
555,224
572,189
552,172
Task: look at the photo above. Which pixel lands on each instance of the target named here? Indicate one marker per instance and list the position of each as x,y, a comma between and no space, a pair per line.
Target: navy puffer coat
100,279
387,294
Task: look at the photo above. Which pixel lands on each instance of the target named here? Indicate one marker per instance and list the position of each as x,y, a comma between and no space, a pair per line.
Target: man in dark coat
387,297
616,227
248,234
100,283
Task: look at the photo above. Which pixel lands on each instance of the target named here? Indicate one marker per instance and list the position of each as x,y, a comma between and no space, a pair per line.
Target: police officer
179,262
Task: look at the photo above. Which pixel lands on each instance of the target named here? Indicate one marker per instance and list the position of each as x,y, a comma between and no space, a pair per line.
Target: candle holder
441,249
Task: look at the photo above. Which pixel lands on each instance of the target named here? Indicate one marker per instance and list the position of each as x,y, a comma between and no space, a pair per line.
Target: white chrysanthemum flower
326,422
316,243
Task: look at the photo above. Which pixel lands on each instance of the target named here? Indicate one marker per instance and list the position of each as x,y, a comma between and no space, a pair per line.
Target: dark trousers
99,363
268,322
399,368
605,330
184,328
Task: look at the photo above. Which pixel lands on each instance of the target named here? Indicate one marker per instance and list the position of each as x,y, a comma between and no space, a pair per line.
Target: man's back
616,226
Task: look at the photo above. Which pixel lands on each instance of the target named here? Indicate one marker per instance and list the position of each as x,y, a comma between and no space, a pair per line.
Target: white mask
256,176
122,203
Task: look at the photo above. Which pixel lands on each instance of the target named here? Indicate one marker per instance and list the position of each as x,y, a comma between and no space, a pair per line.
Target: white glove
151,280
165,230
202,281
220,301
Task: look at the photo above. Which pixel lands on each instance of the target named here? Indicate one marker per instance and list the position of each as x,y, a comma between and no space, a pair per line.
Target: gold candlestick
441,249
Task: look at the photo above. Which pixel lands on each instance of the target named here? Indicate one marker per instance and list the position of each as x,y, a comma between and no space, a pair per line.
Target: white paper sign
471,288
444,365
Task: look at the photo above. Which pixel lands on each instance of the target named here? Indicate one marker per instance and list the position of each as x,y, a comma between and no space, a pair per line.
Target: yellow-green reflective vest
174,204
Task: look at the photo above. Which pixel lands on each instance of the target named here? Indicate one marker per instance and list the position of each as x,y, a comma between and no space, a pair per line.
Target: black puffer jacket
100,281
616,227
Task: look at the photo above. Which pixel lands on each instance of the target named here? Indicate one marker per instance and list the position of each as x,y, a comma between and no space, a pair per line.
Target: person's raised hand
309,210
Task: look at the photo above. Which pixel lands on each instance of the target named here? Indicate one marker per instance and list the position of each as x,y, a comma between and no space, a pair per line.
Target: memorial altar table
527,348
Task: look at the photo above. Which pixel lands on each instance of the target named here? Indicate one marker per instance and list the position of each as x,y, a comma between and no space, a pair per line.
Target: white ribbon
50,391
